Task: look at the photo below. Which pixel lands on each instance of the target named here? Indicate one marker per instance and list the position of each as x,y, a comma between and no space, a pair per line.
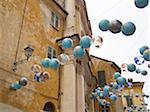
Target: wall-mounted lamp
28,53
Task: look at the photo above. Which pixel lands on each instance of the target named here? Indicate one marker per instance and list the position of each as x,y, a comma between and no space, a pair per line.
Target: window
51,52
54,20
129,101
101,78
105,109
49,107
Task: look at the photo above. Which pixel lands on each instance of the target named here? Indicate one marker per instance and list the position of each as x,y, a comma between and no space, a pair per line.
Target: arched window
49,107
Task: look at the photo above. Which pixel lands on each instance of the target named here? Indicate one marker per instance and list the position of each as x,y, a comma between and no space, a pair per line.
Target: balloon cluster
38,75
62,59
113,91
19,84
115,26
139,60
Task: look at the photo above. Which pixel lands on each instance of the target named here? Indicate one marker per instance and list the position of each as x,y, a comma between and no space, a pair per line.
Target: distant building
104,71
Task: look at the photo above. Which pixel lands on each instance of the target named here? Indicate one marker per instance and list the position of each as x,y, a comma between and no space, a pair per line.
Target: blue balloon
115,86
54,63
15,86
139,60
106,90
104,25
128,28
131,67
142,49
67,43
85,42
141,3
146,55
113,97
46,63
78,52
144,72
121,80
116,75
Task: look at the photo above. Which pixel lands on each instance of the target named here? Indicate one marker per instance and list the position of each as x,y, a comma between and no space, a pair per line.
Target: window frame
101,83
55,20
52,53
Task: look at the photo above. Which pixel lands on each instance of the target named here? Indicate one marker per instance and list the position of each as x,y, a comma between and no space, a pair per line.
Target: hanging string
22,22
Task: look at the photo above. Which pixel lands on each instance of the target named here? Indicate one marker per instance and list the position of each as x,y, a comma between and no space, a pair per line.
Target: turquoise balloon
104,25
54,63
128,28
85,42
144,72
121,80
46,63
131,67
78,52
15,86
116,75
113,97
67,43
146,55
106,90
141,3
142,49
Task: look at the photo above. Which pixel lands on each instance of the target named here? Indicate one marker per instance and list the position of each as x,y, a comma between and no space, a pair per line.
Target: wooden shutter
101,78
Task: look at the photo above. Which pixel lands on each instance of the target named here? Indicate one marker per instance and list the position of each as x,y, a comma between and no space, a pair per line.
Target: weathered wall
32,97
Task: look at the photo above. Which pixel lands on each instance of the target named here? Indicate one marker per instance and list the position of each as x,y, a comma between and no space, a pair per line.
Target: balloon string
110,9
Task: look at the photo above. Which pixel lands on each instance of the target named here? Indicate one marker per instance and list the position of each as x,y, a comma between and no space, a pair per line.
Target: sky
118,47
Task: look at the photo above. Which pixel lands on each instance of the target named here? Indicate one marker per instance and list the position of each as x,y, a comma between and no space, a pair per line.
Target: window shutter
101,78
129,101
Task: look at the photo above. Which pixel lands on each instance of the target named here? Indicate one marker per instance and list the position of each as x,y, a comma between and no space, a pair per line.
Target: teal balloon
141,3
113,97
54,63
85,42
131,67
116,75
67,43
125,80
101,95
128,28
106,90
46,63
78,52
100,102
120,81
146,55
15,86
104,25
142,49
144,72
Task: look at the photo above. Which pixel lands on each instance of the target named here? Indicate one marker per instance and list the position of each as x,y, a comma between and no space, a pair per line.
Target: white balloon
63,59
